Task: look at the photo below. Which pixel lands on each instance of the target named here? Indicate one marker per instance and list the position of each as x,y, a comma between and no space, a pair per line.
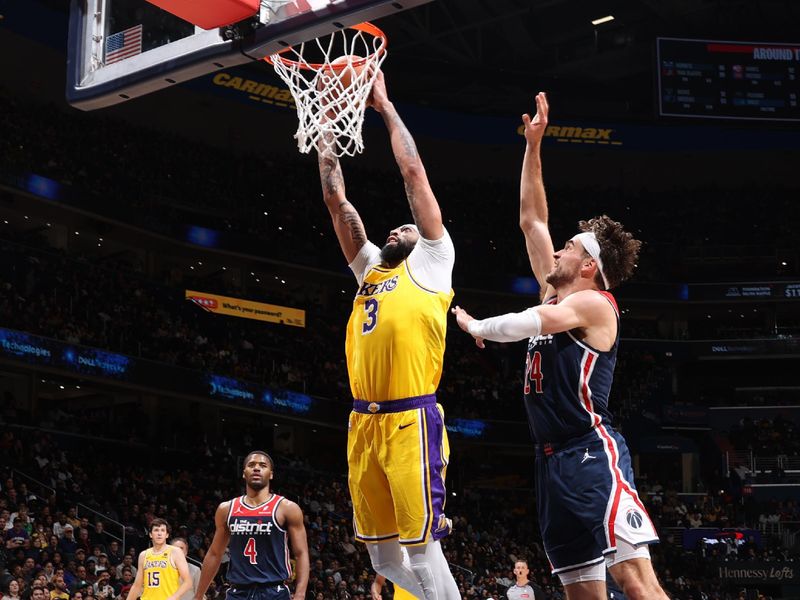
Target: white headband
589,242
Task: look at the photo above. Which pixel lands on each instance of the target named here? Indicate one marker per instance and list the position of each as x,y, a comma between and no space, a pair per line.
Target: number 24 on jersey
533,372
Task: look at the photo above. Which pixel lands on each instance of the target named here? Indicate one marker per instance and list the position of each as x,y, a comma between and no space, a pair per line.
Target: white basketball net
330,114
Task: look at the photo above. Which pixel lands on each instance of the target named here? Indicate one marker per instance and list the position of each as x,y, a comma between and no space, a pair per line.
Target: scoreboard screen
728,80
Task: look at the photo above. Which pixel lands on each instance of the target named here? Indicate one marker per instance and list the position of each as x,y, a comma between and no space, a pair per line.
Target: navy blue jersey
567,383
258,546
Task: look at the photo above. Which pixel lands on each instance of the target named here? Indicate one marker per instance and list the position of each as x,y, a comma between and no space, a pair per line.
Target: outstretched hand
378,96
535,128
463,319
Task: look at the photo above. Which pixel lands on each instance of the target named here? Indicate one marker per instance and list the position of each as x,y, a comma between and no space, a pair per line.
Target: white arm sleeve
510,327
367,257
431,263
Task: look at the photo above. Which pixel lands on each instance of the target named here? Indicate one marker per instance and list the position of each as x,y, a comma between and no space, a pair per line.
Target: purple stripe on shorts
393,406
438,526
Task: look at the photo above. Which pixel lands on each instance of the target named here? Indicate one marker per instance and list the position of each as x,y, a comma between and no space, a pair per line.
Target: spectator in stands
22,515
127,563
84,543
98,536
28,569
48,571
123,585
68,545
102,587
59,523
12,590
114,553
72,511
17,535
59,591
79,581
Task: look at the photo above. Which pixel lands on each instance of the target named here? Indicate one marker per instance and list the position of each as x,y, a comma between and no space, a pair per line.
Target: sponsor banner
252,87
260,87
470,428
82,360
716,349
591,134
248,309
685,414
666,444
741,347
777,290
762,573
19,346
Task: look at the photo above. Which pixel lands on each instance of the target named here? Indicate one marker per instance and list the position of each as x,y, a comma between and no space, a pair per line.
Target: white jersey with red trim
258,546
567,383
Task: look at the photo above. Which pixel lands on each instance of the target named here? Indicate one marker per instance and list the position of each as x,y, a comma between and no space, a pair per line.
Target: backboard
122,49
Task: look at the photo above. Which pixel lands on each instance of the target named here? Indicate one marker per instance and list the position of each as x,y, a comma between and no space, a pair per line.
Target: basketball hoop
331,78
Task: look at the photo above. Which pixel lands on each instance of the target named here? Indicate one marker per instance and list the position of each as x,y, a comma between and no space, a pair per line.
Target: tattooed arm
346,221
424,207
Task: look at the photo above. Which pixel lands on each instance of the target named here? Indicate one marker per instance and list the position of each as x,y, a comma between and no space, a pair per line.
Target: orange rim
365,27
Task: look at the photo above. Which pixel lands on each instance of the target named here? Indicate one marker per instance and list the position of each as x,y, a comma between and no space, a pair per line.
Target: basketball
338,77
346,74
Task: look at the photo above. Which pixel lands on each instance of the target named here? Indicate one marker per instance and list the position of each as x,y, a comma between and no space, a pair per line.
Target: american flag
124,44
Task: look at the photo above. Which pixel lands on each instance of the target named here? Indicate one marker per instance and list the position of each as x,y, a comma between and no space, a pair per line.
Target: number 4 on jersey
250,550
533,372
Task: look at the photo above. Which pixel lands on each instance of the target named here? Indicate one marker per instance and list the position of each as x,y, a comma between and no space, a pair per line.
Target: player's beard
558,277
258,485
394,254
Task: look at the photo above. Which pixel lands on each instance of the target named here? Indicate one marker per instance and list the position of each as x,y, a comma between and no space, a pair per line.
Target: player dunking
590,513
163,573
397,446
258,529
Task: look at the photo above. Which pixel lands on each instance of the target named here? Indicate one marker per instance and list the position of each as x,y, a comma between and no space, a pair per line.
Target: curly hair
619,250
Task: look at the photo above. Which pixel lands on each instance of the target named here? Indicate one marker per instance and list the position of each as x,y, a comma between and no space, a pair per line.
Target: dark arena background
172,293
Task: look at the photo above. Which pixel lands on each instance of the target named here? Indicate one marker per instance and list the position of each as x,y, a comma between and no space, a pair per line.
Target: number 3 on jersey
250,550
533,372
371,308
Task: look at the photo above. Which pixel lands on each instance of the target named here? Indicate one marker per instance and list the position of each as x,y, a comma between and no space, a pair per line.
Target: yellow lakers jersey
161,578
395,336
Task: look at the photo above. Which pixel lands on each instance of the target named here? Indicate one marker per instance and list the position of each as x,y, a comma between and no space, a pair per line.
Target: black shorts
266,591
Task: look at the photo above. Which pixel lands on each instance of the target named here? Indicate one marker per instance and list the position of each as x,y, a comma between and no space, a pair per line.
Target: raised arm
293,523
346,221
215,551
532,198
423,204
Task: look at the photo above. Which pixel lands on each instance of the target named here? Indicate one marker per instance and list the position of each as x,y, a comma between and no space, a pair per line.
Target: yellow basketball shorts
398,452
